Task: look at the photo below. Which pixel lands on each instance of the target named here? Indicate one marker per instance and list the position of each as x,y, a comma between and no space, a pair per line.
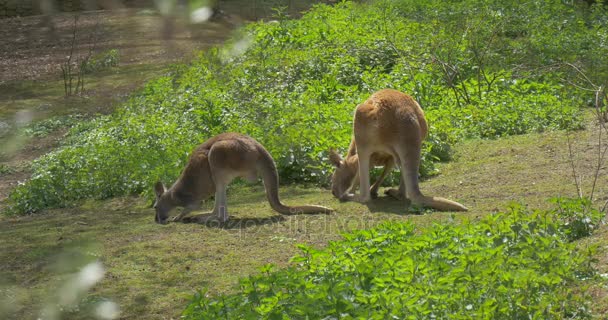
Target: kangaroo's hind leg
220,208
409,156
222,178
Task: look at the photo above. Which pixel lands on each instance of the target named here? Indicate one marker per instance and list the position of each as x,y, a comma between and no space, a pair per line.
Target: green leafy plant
579,217
513,265
44,127
4,169
101,61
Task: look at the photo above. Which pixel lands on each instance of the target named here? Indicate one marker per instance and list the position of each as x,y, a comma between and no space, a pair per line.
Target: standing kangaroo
211,167
388,129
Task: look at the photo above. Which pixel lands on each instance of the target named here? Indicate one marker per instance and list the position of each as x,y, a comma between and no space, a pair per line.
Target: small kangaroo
388,129
211,167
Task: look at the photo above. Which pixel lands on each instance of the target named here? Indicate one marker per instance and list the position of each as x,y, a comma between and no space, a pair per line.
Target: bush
44,127
4,169
102,61
513,265
293,85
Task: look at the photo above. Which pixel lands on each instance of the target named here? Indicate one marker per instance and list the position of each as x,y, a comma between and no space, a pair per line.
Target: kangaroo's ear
159,189
335,158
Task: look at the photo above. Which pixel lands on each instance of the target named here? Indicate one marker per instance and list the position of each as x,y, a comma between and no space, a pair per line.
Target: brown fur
212,166
388,129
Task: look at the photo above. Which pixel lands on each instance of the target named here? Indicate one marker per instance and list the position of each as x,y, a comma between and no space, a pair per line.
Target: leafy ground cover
512,265
293,83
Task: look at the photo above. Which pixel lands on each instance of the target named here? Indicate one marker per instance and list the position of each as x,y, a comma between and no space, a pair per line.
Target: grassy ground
151,269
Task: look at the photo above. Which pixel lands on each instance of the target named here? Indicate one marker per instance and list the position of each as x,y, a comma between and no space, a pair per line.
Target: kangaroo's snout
159,220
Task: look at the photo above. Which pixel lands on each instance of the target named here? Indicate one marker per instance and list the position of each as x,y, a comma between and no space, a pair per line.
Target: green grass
151,270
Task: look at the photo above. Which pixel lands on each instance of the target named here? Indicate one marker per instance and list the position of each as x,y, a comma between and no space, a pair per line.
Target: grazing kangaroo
211,167
388,129
345,178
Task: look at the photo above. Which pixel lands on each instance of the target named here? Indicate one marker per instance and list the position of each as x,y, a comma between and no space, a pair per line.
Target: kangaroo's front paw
176,219
221,216
394,193
222,219
362,199
347,197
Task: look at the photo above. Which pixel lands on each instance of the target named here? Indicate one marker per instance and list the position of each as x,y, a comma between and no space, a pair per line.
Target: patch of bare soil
33,48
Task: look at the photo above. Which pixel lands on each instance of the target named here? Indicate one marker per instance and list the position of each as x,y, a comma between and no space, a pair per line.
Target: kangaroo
346,176
211,167
388,130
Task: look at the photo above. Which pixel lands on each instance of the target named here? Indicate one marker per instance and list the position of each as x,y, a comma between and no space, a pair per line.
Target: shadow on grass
232,224
389,204
244,193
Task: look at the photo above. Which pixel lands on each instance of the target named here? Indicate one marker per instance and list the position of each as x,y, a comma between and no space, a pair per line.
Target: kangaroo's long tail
439,203
270,177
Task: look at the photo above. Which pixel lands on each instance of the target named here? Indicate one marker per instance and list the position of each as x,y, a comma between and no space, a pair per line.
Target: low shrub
4,169
101,61
44,127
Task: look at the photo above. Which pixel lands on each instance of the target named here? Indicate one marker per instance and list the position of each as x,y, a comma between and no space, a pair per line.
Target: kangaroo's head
163,204
344,176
